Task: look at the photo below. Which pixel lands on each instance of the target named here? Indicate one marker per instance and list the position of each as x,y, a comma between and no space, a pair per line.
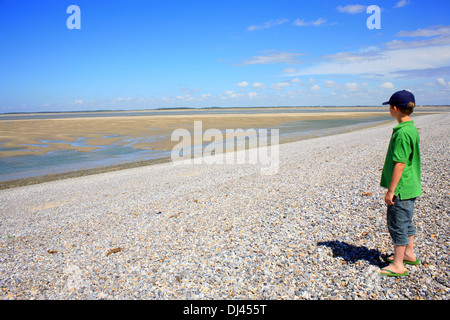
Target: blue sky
184,53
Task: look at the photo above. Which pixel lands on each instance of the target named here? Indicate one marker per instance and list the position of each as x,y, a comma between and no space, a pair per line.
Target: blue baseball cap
401,99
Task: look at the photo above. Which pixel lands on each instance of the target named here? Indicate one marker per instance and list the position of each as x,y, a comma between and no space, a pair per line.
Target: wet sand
25,137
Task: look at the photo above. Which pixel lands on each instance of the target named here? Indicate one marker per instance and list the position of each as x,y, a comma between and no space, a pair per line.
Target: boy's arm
396,175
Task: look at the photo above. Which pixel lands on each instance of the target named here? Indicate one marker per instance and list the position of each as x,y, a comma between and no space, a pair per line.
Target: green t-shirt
404,148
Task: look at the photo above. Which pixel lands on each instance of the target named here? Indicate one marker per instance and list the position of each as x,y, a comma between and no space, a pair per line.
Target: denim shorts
399,220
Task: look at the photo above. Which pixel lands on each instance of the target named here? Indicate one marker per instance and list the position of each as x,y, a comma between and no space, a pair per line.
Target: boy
401,176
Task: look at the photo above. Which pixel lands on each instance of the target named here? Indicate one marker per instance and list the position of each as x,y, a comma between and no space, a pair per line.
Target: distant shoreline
206,108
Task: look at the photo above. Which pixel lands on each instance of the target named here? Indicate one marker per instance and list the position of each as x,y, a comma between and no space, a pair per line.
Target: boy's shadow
352,253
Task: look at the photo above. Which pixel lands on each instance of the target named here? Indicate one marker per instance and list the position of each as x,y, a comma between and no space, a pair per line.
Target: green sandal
391,273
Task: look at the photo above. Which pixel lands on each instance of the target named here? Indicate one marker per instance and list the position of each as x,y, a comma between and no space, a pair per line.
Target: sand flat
22,137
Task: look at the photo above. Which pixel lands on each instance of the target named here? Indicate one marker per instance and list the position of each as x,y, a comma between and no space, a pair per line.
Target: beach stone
311,231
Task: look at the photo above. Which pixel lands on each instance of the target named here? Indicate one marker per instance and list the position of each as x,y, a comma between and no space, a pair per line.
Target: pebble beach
315,230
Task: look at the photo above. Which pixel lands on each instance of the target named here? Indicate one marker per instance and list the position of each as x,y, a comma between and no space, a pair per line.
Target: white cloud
387,85
279,85
330,84
426,32
315,87
440,35
443,83
232,94
289,70
319,22
242,84
252,95
259,85
345,57
295,93
123,99
186,97
352,8
267,24
368,49
352,86
402,3
316,23
274,57
383,63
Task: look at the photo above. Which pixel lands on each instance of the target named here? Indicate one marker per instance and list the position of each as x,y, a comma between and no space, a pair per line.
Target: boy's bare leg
409,250
397,264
